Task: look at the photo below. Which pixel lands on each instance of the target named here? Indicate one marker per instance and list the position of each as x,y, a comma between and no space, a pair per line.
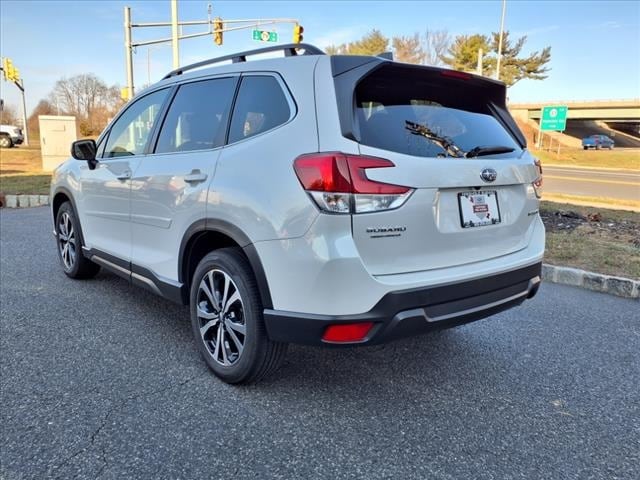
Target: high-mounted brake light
347,332
456,74
338,183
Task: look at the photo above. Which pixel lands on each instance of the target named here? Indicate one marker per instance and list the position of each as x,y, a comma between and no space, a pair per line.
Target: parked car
597,142
312,199
10,135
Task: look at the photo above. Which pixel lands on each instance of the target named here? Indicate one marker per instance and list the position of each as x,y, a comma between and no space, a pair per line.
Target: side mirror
85,150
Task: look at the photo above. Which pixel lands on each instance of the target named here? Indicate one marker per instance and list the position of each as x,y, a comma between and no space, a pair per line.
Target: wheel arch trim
238,236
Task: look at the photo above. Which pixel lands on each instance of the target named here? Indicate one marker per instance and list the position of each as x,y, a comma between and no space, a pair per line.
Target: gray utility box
56,135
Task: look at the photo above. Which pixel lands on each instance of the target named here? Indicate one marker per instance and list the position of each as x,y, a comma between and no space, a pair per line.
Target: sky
595,45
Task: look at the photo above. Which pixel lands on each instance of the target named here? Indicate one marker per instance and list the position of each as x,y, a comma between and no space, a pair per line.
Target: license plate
478,208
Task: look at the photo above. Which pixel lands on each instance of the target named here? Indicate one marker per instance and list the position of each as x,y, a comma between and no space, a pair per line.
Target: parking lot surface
102,380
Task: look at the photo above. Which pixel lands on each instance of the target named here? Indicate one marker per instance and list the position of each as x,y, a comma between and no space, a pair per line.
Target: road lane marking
584,172
591,180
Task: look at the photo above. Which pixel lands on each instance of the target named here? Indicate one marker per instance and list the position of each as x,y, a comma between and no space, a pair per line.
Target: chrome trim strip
112,266
487,306
147,282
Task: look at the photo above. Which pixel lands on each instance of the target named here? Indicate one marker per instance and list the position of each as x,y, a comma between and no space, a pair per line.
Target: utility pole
479,66
24,113
504,8
174,34
128,51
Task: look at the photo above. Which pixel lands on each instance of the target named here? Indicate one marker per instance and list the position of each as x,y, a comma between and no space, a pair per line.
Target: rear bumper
411,312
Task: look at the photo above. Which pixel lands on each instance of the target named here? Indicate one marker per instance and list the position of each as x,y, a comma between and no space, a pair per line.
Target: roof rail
290,50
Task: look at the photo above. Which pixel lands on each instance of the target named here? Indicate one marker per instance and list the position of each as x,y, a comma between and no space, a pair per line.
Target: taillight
347,332
338,183
537,184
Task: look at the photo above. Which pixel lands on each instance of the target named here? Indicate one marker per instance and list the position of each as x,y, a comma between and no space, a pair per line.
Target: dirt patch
593,223
599,240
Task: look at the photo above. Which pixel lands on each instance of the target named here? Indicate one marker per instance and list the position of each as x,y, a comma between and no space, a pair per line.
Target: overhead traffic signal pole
216,28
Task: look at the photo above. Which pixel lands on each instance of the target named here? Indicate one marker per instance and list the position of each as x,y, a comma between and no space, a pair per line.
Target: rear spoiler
349,70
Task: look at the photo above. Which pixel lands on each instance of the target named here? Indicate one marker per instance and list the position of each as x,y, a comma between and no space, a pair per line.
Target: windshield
386,105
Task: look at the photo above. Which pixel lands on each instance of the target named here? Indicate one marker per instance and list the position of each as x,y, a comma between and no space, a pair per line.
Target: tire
585,148
69,243
248,357
5,141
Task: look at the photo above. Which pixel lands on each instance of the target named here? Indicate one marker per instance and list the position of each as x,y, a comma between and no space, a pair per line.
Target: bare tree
88,98
44,107
8,115
435,45
335,49
79,95
408,49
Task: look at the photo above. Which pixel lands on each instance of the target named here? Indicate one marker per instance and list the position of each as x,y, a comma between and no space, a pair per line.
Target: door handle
126,175
195,176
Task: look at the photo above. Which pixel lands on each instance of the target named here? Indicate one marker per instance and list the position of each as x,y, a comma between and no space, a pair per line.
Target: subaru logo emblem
489,175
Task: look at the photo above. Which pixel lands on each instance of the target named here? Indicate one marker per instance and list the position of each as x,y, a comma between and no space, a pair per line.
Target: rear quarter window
261,106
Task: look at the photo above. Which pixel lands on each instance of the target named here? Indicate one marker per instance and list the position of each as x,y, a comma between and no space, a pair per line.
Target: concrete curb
23,201
619,286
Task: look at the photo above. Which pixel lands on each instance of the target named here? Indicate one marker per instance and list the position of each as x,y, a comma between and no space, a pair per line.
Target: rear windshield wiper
488,150
444,142
448,145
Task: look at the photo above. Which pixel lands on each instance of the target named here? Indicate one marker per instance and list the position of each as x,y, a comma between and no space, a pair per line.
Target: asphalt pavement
591,182
102,380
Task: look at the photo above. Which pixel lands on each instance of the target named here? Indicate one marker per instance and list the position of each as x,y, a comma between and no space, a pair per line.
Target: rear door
464,209
169,187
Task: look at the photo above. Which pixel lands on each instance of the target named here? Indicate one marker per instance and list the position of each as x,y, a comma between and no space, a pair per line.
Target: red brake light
323,172
341,173
347,332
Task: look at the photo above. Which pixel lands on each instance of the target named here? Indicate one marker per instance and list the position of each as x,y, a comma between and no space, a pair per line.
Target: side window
197,118
261,105
131,131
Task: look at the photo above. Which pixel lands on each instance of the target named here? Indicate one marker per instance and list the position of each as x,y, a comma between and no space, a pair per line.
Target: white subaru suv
313,199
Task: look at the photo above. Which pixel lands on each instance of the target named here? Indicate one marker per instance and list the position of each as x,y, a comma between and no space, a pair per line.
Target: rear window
449,108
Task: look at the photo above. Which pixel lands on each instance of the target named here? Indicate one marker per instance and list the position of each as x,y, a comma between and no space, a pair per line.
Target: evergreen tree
463,55
513,67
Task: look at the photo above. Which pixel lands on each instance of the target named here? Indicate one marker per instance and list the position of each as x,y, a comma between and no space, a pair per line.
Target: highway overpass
619,111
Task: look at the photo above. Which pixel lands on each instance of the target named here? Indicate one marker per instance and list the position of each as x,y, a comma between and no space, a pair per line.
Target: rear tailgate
463,210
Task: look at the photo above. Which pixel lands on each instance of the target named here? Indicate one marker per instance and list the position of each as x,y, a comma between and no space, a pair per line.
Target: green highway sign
554,117
265,36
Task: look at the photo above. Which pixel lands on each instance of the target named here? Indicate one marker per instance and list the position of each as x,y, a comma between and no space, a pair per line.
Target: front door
106,190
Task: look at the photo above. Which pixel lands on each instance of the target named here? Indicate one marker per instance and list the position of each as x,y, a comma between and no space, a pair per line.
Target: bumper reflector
347,332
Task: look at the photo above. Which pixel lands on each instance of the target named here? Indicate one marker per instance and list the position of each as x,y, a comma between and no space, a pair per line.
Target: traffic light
7,69
298,30
217,31
10,72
